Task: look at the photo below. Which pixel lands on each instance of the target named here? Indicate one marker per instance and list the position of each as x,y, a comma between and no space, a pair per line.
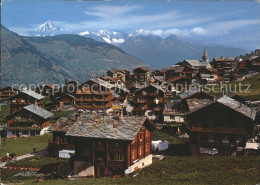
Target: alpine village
141,126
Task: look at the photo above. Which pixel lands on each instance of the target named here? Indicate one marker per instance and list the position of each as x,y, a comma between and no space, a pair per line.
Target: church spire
205,57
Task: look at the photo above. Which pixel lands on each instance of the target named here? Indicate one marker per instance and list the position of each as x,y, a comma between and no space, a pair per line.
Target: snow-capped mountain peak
84,33
111,37
47,26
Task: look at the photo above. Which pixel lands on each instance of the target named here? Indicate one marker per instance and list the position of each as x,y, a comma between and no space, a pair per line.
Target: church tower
205,57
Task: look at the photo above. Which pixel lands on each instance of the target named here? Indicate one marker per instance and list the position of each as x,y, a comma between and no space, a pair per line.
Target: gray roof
194,104
33,94
197,63
91,125
239,107
105,84
159,78
188,93
39,111
62,124
226,59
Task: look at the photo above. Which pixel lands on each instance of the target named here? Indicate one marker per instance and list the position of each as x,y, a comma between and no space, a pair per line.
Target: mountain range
165,52
157,51
43,59
52,59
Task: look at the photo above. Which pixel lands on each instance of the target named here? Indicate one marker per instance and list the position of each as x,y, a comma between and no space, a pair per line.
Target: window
117,157
140,150
147,147
22,100
133,154
13,132
146,133
140,135
14,101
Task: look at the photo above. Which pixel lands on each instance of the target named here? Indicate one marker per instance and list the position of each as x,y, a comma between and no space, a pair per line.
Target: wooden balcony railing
141,101
93,92
219,130
93,106
116,164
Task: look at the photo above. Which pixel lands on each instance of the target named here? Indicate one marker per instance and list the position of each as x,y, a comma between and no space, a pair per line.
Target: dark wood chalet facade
149,101
98,95
46,90
226,65
220,127
24,98
66,99
141,74
28,121
7,93
59,140
110,146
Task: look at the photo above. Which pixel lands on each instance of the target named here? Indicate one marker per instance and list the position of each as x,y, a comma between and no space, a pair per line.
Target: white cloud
106,11
199,31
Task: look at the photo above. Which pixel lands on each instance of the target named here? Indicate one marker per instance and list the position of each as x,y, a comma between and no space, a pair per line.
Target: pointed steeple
205,57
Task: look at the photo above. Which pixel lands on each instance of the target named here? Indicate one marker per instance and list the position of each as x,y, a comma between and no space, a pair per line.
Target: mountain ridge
54,59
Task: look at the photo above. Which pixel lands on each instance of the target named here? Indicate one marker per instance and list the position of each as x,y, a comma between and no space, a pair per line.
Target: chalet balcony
116,164
141,101
158,109
150,94
24,128
63,145
93,106
218,130
93,92
100,99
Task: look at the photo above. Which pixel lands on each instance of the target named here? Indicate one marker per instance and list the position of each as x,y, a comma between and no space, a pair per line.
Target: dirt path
41,153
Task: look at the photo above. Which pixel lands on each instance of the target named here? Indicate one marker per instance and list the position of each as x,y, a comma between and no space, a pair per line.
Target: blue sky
228,23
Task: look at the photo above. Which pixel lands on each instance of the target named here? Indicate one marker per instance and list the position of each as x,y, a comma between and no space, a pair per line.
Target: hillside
165,52
253,93
23,63
54,59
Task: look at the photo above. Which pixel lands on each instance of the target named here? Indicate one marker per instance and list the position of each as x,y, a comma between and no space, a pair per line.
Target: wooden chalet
149,101
177,70
195,64
173,112
178,83
226,65
194,98
46,90
6,93
110,146
256,64
98,95
195,93
31,120
59,140
220,127
141,74
114,81
123,75
66,99
24,98
157,73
